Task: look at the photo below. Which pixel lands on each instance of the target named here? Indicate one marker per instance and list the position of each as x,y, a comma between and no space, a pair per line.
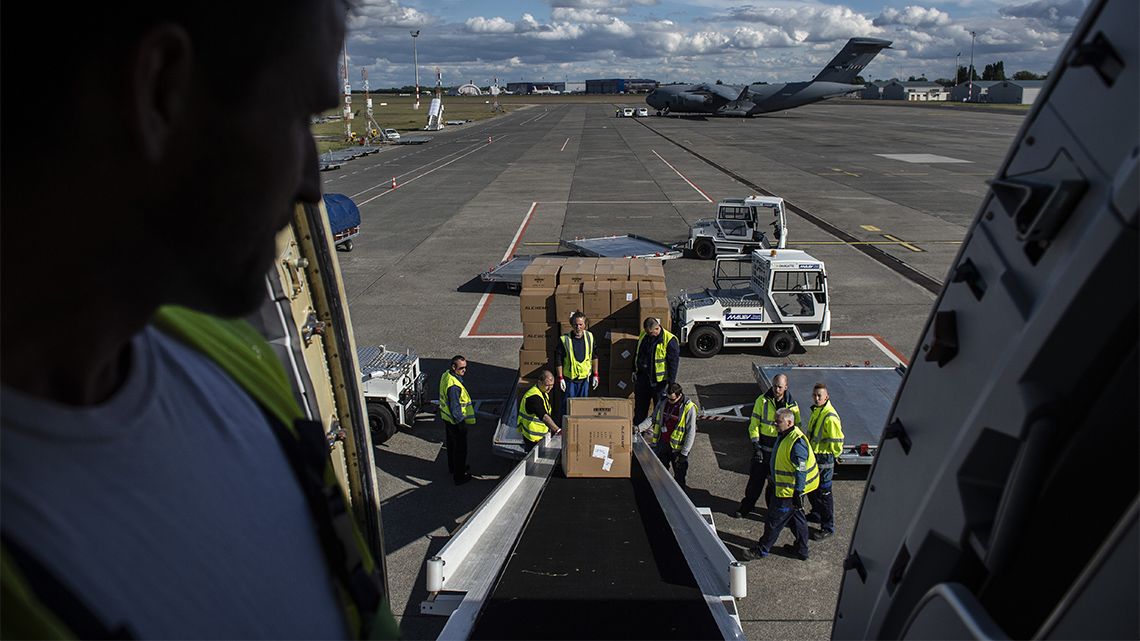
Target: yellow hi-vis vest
659,352
763,423
446,382
677,436
784,473
245,356
577,370
825,432
533,428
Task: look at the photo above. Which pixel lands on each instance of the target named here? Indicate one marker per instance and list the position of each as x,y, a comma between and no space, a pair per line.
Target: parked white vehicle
391,134
739,227
627,112
642,112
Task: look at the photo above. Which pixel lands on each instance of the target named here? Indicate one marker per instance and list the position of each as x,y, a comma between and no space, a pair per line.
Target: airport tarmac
889,186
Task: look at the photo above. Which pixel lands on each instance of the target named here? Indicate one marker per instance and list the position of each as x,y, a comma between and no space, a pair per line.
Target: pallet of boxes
616,295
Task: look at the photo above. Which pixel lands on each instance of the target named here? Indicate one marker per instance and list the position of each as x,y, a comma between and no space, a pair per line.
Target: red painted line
882,341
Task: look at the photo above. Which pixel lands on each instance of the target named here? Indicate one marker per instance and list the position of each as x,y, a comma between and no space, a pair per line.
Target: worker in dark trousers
577,361
762,433
672,430
457,413
794,473
825,432
655,368
534,412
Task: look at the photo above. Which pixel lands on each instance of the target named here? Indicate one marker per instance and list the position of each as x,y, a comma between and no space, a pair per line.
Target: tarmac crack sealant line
915,276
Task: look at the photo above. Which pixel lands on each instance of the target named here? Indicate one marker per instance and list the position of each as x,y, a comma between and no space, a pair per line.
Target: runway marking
903,243
477,146
412,180
682,176
923,158
798,243
881,343
564,145
870,228
843,171
481,308
621,202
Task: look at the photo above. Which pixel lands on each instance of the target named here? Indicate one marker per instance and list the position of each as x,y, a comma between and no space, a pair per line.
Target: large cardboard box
621,383
611,272
549,260
540,337
579,270
656,307
652,288
648,270
595,301
596,447
542,276
623,299
537,306
531,361
567,300
623,350
601,407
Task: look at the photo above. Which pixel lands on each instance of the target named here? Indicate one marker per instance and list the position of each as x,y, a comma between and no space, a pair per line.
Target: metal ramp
627,246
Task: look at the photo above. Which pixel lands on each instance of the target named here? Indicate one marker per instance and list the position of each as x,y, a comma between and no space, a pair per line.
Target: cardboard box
621,383
596,447
549,260
543,276
580,270
595,301
623,299
531,361
657,307
652,288
609,272
648,270
537,306
601,407
567,300
623,350
540,337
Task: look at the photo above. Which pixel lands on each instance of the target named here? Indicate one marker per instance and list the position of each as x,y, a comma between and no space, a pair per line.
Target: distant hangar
621,85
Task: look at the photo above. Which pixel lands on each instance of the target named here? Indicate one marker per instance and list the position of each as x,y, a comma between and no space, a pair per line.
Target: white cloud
479,24
819,23
387,13
1053,13
912,16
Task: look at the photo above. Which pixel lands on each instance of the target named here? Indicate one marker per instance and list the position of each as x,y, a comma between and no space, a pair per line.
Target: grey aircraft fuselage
736,100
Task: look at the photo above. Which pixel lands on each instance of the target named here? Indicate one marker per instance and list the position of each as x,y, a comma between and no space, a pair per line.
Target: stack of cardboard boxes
616,294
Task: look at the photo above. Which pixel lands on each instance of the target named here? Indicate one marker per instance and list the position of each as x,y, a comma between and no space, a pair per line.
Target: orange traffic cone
393,182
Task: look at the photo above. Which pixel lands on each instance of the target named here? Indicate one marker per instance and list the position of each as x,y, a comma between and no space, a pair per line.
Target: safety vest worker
446,382
659,352
784,471
533,428
572,368
825,431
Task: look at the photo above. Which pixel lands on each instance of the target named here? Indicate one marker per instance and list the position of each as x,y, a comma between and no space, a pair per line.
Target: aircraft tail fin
855,55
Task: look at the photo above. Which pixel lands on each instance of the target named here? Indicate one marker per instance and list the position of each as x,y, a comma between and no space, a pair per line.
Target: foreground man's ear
161,82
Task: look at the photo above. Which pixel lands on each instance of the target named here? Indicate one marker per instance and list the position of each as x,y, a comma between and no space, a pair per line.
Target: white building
575,86
981,89
920,90
1016,92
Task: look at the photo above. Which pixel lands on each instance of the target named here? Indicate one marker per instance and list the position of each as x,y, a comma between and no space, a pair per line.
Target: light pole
957,66
973,35
416,64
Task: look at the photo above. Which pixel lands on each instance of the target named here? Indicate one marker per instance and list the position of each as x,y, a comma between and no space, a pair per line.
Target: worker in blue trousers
794,473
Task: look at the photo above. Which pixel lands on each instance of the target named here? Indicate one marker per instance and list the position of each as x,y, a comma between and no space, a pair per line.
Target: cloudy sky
693,40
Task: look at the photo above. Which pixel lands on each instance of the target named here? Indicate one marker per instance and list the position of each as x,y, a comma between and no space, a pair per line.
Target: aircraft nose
654,99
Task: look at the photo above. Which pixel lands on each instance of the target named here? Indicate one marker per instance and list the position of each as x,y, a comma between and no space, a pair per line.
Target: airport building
962,93
873,90
468,90
1016,92
535,87
621,85
921,90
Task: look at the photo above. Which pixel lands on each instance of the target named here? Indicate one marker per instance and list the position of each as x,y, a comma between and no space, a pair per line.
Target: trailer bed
627,246
861,395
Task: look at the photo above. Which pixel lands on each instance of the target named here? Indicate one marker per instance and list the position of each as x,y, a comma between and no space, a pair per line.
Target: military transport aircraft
735,100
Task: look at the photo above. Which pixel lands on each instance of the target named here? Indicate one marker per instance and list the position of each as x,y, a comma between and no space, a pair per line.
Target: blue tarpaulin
343,213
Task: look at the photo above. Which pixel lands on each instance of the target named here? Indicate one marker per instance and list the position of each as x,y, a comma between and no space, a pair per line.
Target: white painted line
477,146
923,158
876,342
564,145
477,313
621,202
412,180
707,199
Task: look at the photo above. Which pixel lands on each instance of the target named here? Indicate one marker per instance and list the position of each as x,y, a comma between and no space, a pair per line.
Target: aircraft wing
725,92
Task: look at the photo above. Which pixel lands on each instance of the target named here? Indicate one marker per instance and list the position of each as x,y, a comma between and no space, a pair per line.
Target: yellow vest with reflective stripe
784,473
659,352
577,370
763,421
677,436
825,432
533,427
446,382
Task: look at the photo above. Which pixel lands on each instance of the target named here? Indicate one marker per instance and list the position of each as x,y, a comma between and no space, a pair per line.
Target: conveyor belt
597,560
